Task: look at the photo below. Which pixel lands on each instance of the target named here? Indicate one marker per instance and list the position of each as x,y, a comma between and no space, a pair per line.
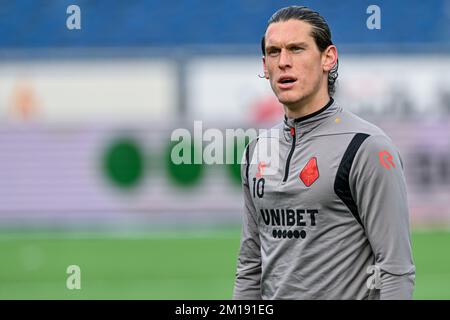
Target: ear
329,58
266,72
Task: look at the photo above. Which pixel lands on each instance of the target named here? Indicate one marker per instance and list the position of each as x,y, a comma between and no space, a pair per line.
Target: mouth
286,82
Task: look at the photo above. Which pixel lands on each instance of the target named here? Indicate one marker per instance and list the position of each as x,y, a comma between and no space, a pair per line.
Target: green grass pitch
161,265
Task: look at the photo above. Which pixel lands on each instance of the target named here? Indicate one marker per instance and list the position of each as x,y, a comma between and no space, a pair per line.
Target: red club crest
310,172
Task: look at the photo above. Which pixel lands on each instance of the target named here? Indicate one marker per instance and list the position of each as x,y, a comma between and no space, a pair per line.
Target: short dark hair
320,32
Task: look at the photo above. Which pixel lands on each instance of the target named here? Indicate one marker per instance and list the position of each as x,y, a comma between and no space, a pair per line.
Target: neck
306,106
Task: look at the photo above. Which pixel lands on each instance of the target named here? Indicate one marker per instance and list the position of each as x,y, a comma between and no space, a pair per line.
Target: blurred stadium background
86,118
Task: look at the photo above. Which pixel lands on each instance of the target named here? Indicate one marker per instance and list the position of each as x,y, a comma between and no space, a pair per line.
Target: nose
285,59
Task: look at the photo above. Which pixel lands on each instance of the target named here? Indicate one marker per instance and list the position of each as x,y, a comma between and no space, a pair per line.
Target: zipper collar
307,123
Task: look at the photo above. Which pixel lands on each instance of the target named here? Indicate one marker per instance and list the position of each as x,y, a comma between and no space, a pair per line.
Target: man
331,221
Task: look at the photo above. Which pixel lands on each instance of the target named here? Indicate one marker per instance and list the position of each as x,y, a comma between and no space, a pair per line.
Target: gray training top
326,216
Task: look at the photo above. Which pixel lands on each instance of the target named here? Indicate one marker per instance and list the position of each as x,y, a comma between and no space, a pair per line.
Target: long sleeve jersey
325,212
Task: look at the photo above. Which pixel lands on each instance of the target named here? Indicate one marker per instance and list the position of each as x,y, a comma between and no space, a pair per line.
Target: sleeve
248,274
378,186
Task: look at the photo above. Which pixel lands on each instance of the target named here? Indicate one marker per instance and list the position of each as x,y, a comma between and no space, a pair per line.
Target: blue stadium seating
35,24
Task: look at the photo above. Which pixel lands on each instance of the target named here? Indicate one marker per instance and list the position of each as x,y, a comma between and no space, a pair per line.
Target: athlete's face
293,63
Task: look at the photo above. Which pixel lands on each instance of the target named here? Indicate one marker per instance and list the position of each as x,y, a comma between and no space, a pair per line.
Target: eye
273,52
296,49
